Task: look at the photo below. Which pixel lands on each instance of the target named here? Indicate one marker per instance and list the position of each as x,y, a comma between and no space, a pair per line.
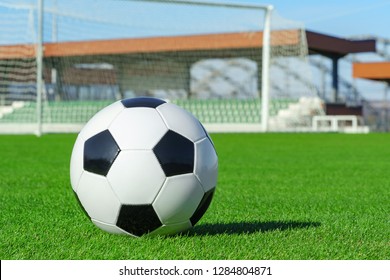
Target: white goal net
212,58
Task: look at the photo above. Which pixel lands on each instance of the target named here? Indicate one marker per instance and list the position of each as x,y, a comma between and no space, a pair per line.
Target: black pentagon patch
149,102
100,151
175,154
202,207
138,219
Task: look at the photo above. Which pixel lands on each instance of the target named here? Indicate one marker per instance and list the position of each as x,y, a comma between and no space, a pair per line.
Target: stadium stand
82,76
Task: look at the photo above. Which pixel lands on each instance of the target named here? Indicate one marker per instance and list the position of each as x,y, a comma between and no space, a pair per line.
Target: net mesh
17,61
207,59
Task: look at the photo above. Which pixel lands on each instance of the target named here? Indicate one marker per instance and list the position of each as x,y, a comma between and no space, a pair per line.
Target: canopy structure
331,46
220,41
318,43
336,48
230,44
376,71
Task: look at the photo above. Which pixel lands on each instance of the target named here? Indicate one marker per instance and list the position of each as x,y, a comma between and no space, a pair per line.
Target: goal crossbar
212,4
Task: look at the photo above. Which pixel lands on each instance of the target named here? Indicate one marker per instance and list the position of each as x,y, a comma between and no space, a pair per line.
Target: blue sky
336,17
339,18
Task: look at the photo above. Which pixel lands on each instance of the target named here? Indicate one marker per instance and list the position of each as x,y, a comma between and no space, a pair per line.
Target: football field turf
279,196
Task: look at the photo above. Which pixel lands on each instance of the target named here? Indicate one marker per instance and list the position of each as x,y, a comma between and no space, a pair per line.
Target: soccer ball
144,166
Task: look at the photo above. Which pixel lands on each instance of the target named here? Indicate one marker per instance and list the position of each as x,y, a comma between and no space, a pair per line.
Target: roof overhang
331,46
376,71
240,40
317,43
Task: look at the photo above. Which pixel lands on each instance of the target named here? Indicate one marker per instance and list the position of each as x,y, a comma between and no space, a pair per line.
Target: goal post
238,67
39,56
265,69
265,51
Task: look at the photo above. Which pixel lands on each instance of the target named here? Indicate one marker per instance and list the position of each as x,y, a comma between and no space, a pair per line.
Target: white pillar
39,59
265,69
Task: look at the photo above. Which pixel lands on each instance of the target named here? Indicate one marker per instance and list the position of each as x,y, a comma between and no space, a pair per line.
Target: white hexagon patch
206,164
182,192
181,121
101,120
136,177
76,162
138,128
97,197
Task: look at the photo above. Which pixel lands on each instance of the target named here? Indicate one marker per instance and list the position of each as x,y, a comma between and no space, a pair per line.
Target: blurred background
237,66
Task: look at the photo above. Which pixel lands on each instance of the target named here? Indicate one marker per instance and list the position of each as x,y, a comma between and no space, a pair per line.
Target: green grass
279,196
